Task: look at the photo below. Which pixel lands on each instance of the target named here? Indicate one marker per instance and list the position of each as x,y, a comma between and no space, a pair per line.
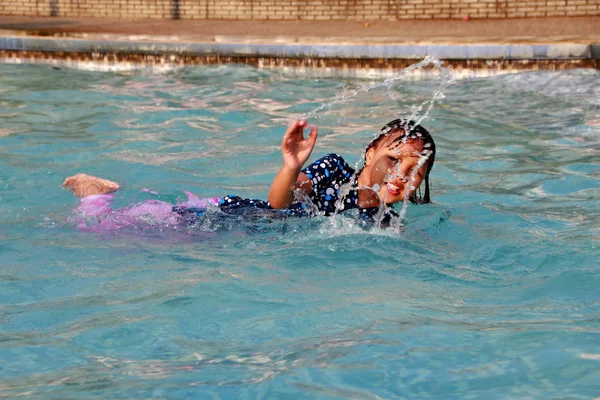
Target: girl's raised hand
295,148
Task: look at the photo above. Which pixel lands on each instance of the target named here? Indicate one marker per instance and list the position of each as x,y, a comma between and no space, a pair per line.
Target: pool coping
299,48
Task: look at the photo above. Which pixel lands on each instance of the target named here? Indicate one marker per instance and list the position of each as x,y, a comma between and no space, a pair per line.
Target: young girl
396,163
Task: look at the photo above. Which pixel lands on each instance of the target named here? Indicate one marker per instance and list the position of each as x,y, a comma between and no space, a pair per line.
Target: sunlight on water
488,292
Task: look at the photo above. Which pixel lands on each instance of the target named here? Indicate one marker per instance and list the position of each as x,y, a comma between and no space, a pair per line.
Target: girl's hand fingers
292,127
292,131
295,134
312,138
299,131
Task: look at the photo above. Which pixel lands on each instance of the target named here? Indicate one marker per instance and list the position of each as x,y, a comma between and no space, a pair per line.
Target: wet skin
390,166
386,176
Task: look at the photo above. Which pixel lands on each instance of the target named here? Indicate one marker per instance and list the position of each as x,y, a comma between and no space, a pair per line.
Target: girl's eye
393,160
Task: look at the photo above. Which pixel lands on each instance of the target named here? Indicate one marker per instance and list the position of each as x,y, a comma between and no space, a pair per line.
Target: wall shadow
54,8
175,10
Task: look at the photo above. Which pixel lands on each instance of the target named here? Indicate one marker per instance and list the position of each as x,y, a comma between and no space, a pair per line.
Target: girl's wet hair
409,130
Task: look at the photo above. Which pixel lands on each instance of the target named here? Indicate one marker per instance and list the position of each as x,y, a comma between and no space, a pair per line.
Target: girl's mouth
393,189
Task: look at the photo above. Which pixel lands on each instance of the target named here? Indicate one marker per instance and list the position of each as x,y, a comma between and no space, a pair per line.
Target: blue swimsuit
327,174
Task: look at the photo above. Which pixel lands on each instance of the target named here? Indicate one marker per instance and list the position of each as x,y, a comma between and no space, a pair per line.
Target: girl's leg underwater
95,212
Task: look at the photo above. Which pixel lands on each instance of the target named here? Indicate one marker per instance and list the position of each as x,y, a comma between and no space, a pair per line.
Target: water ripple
488,292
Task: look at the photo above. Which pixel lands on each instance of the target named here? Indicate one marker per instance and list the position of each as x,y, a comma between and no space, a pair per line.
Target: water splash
346,95
411,182
418,114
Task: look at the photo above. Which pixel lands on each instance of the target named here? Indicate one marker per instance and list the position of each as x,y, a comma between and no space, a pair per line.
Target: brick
536,14
355,10
576,13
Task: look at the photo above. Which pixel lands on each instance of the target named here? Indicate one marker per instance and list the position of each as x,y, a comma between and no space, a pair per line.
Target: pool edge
116,53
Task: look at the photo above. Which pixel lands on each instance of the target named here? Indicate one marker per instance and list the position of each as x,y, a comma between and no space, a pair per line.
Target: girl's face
390,166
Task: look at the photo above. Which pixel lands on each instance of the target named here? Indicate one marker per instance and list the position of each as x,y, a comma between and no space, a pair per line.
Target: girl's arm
295,150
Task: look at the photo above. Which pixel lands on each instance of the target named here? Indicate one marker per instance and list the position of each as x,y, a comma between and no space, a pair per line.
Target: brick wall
301,9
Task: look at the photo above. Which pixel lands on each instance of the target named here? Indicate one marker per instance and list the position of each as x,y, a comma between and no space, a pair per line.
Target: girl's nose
402,181
402,173
399,176
399,180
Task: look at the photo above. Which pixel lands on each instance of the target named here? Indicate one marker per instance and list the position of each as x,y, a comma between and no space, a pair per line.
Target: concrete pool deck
569,42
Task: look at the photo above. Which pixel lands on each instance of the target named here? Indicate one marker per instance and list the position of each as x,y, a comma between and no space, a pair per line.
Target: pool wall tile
122,61
300,50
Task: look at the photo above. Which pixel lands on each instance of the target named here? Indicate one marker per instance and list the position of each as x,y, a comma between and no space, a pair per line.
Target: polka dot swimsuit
327,175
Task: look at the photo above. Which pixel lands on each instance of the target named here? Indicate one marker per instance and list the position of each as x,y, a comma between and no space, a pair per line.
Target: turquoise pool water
490,292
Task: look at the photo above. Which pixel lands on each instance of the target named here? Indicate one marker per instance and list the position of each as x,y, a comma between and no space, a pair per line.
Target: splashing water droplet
418,113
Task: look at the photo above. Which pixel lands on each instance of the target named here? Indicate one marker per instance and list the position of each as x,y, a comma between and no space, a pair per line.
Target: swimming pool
489,292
